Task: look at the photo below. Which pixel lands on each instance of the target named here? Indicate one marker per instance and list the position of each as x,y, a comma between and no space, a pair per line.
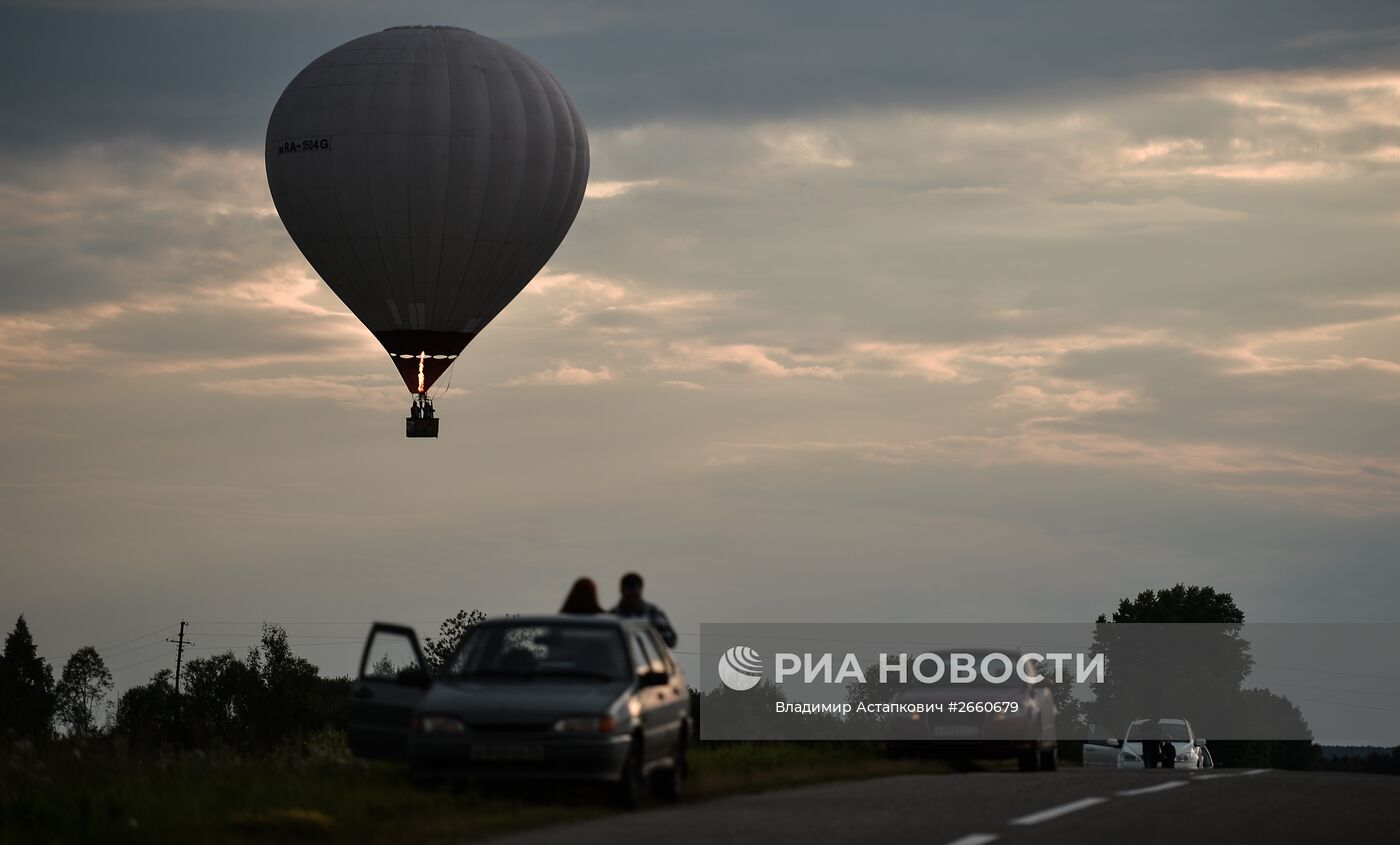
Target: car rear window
534,650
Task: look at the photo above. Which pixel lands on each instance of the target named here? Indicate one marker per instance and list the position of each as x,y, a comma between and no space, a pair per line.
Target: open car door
393,678
1099,752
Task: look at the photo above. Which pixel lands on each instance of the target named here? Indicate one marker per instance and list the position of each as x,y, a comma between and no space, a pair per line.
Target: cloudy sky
905,312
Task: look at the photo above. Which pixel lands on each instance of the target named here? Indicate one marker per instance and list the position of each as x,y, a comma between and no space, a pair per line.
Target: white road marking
975,839
1157,787
1056,812
1254,772
1217,775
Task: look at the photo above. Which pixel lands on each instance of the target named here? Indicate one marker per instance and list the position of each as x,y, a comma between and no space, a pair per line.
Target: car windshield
1170,731
586,652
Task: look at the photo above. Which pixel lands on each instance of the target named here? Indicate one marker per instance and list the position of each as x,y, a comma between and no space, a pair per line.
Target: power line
134,639
147,660
231,647
358,637
1324,689
1346,704
311,622
1330,672
129,650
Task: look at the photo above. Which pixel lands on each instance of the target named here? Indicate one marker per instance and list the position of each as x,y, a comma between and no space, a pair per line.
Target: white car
1189,750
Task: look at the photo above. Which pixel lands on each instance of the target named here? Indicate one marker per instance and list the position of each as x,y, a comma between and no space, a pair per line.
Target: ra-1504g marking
304,145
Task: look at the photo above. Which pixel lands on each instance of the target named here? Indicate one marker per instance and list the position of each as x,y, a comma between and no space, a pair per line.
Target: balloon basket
422,420
422,428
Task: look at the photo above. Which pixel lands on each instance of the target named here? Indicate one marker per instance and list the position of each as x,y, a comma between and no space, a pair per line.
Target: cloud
565,374
742,358
1347,486
120,220
804,146
376,394
606,190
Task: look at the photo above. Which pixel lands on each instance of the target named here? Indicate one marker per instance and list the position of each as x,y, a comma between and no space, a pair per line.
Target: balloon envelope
427,174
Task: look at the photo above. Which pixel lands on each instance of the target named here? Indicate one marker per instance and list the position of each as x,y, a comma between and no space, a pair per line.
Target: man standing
632,605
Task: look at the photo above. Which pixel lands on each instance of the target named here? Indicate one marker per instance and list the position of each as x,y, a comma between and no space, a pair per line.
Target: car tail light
438,725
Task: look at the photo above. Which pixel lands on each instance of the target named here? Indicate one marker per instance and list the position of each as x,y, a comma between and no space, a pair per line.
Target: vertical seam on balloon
526,256
447,139
562,210
416,297
325,252
567,209
521,270
490,303
462,282
361,281
373,216
481,295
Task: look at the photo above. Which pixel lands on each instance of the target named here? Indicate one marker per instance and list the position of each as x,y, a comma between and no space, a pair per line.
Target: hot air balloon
427,173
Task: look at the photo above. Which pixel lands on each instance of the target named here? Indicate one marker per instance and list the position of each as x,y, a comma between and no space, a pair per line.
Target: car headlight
585,725
438,725
1129,757
1185,757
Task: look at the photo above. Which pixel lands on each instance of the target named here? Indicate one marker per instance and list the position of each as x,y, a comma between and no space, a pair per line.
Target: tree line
267,699
270,698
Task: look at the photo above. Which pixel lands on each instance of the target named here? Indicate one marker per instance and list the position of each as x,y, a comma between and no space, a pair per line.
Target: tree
285,690
85,684
144,712
438,650
1179,604
218,696
27,699
384,667
1176,650
1184,656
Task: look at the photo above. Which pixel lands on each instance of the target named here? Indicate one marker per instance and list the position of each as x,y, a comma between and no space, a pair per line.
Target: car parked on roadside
1188,750
585,698
976,722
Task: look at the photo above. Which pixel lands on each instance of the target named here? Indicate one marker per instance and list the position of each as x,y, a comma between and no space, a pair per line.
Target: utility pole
180,644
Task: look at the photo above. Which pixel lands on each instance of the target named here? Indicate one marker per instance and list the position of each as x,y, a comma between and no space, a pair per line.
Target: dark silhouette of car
978,721
582,698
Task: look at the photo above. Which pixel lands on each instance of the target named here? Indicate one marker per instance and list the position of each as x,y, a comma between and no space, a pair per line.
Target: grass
102,792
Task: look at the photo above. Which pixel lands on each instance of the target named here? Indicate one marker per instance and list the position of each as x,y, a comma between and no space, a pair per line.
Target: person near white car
1173,741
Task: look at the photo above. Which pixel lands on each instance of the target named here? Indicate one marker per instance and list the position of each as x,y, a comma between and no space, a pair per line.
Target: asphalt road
1069,806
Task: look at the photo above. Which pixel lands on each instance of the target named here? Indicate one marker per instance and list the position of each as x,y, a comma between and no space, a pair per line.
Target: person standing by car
1151,744
582,598
633,605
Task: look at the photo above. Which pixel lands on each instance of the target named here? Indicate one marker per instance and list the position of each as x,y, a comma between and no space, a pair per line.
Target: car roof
599,619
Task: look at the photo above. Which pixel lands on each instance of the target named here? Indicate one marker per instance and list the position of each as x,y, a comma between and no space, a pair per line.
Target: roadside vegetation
104,790
254,749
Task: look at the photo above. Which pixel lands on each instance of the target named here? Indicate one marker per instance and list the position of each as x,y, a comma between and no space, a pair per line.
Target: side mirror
413,677
1114,743
652,679
1200,743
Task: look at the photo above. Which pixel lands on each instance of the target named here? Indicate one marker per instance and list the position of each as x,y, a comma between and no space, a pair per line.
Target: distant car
1027,733
589,698
1188,750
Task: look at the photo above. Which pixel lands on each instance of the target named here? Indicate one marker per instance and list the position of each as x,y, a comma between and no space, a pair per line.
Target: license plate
954,731
506,752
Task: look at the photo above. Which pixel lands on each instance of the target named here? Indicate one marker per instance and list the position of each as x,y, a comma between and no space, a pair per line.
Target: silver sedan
549,697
